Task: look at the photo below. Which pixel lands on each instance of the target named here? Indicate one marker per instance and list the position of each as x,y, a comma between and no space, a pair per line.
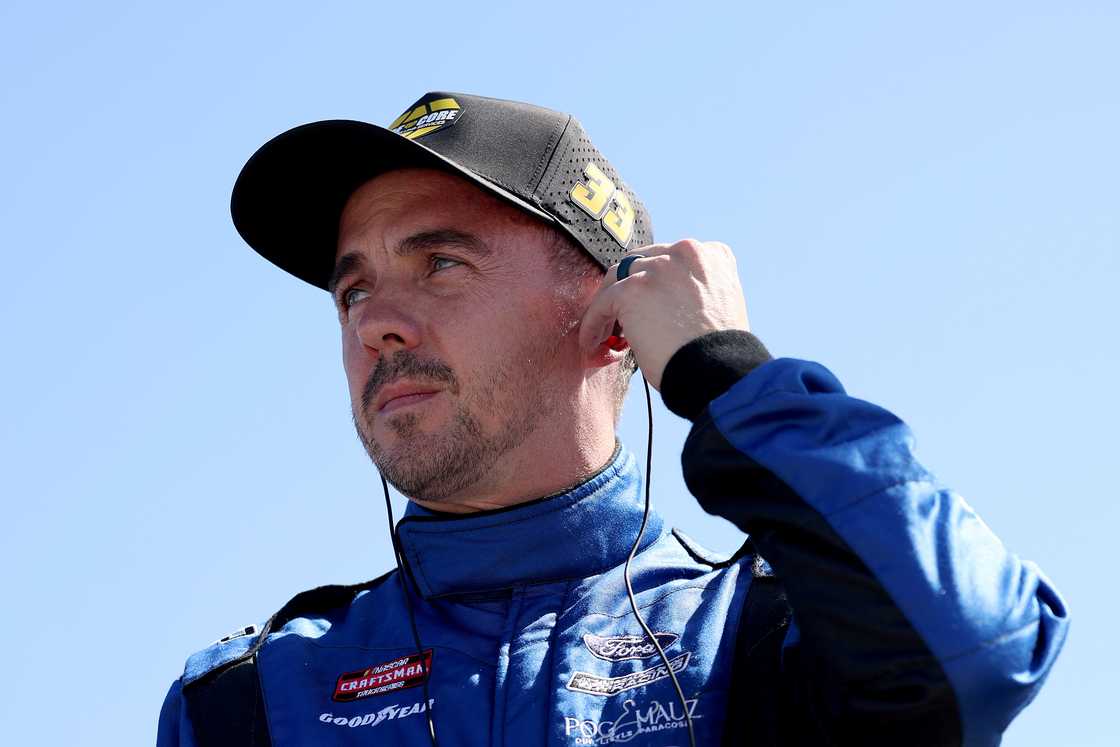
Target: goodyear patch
426,116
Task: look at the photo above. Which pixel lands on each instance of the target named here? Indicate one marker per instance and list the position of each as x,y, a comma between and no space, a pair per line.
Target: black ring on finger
623,270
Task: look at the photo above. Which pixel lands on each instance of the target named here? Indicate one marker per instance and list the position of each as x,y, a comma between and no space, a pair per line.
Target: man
496,282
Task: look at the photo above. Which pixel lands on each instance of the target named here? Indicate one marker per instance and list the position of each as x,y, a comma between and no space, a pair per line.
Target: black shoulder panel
756,696
226,706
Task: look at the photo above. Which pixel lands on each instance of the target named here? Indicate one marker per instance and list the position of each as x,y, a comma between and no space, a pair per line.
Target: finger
650,250
643,256
599,318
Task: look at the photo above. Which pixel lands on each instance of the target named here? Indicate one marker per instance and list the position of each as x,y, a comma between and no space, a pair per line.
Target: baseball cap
289,197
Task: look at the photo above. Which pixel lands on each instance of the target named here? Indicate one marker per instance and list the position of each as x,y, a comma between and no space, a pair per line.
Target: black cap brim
290,194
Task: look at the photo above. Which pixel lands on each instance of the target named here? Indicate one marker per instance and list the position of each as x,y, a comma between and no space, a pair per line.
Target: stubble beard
435,466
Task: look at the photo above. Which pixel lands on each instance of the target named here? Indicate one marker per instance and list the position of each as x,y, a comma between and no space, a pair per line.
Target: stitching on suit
378,649
644,606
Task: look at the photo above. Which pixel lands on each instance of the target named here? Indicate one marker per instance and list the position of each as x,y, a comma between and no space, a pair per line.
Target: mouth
394,403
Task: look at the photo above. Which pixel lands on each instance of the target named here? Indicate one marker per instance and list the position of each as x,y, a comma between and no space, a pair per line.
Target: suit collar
575,534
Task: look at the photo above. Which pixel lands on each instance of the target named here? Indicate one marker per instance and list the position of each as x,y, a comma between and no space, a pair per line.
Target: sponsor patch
584,682
388,713
239,633
426,116
622,647
398,674
633,721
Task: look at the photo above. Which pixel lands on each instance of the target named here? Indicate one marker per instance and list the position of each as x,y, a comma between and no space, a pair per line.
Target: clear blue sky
923,198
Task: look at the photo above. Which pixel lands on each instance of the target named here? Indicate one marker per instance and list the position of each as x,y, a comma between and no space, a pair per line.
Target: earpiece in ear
616,341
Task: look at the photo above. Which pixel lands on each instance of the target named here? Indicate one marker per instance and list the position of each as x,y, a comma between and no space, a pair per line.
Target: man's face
458,340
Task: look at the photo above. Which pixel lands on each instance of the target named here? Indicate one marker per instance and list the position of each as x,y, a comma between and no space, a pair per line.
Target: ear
611,350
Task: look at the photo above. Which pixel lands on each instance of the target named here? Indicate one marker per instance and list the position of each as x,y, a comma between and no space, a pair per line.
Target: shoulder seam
745,550
331,595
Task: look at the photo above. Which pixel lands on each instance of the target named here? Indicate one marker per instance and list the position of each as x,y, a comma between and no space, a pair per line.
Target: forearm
910,610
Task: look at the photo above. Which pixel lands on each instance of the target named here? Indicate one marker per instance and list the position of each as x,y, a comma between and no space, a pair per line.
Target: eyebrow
352,262
347,265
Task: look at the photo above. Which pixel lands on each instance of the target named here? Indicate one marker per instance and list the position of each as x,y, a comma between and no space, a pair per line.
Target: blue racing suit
869,606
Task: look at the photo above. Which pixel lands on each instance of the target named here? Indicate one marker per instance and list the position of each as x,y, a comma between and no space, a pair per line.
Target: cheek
356,362
529,341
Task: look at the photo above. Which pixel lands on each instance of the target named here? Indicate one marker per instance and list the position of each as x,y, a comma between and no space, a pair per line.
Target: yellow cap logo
599,198
426,117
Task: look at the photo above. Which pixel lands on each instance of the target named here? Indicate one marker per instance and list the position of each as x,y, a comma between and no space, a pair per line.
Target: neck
569,535
536,468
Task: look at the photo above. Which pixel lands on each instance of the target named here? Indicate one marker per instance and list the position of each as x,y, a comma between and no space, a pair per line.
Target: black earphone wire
630,586
411,615
397,555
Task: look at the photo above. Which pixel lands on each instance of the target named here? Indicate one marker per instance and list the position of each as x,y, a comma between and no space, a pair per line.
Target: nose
386,327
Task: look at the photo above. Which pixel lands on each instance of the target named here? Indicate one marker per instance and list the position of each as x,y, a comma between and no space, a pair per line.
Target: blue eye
354,295
436,259
348,299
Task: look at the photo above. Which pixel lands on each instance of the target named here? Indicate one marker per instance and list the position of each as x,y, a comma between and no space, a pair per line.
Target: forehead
399,203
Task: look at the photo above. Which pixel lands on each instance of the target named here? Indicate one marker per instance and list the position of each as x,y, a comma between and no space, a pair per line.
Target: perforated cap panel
572,155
